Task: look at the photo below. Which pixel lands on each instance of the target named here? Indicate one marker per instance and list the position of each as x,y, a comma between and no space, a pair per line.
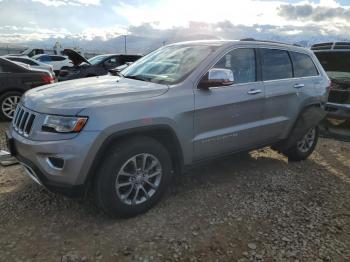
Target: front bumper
34,156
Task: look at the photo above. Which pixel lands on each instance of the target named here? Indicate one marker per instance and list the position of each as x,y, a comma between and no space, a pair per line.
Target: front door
228,118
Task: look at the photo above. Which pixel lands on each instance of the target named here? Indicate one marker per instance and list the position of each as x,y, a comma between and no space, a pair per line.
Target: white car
57,61
31,62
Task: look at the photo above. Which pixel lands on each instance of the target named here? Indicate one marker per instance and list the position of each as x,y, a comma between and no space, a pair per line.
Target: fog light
56,162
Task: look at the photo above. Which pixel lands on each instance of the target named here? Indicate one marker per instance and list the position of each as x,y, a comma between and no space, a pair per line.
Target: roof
245,40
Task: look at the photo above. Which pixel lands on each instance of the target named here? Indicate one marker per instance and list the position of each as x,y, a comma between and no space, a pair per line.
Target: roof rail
267,41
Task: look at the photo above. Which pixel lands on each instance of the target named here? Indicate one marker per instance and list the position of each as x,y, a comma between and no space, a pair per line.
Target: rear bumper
338,111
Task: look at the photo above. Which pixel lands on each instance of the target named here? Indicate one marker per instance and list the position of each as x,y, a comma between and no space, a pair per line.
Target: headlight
63,124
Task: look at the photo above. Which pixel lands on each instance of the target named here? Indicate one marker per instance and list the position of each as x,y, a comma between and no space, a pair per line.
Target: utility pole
125,44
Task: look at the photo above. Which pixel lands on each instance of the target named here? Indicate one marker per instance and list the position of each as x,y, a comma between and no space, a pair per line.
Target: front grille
23,120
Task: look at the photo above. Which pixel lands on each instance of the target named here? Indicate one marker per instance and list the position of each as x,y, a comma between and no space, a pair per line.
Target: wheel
8,102
303,148
132,177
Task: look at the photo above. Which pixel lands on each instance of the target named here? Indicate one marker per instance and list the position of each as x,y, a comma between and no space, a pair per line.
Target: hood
76,58
70,97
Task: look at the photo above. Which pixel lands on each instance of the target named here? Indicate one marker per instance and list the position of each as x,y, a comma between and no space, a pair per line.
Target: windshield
168,65
336,64
27,51
96,59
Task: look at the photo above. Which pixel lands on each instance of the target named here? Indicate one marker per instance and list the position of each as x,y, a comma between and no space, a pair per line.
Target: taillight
48,79
330,85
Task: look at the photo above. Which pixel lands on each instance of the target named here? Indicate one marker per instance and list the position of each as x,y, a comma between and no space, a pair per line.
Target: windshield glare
169,65
96,59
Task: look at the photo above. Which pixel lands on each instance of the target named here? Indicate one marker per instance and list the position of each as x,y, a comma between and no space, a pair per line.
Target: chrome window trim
257,46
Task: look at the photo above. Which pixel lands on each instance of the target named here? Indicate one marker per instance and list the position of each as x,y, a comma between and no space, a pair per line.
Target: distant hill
144,44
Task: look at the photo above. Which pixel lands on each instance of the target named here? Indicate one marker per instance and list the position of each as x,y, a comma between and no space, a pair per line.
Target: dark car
96,66
116,71
335,59
14,81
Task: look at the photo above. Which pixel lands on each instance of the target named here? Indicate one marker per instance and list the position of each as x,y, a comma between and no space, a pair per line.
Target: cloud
168,13
57,3
312,13
101,22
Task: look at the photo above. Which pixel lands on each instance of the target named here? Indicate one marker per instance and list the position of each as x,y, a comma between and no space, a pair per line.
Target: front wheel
133,177
303,148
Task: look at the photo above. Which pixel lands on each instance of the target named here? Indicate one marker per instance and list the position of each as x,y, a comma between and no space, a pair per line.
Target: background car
31,62
14,81
96,66
57,61
30,52
118,69
335,59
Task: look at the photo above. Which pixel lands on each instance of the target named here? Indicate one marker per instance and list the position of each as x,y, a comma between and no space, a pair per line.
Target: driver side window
242,63
112,62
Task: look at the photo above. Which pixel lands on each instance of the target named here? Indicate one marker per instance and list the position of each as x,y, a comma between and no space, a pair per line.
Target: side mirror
217,77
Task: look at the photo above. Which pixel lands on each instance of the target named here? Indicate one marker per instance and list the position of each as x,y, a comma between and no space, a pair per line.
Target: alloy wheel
306,143
138,179
9,105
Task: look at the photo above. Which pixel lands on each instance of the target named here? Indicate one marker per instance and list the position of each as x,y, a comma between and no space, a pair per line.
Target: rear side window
303,65
57,58
242,63
44,59
276,64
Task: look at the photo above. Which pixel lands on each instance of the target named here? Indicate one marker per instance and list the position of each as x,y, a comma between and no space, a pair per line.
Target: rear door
282,92
4,78
228,118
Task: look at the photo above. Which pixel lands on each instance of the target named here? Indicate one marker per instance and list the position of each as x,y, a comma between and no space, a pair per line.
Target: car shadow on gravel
27,199
246,172
222,205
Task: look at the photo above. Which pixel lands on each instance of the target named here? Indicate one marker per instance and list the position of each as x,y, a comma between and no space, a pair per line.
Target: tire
8,104
117,180
302,149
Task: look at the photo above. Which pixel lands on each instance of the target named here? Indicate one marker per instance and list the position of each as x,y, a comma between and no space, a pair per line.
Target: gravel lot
248,207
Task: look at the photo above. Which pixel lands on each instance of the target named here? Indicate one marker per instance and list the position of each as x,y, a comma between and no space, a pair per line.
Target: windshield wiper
140,77
120,74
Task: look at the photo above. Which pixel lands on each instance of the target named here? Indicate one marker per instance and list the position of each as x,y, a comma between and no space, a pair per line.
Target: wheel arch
12,89
309,116
162,133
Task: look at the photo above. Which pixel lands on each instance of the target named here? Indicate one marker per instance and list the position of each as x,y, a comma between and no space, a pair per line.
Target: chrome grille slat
21,112
23,120
15,115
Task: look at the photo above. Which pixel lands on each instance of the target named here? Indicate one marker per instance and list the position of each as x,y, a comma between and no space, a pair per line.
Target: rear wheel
133,177
303,148
8,102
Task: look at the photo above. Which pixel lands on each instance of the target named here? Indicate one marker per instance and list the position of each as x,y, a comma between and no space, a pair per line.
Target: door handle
299,85
254,91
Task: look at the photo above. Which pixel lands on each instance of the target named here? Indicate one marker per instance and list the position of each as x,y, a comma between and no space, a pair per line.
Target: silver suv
124,137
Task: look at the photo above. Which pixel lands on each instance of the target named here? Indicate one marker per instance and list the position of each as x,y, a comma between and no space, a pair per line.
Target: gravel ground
248,207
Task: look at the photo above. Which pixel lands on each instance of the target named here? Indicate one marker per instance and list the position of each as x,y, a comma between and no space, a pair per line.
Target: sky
24,21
